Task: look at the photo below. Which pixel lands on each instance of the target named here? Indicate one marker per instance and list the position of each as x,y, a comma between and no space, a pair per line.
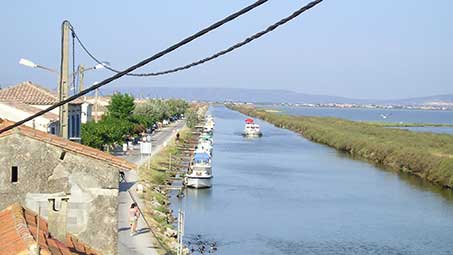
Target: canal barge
251,129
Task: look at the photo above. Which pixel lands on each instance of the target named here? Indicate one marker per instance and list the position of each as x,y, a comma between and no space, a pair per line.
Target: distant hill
430,100
232,94
266,96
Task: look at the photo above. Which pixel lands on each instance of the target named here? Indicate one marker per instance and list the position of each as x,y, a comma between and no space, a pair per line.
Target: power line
163,53
222,52
216,25
119,74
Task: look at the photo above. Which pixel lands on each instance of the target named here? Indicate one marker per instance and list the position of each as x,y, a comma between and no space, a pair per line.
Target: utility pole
63,88
81,71
96,108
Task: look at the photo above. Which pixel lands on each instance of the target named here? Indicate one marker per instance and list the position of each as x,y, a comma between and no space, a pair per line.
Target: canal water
363,114
376,115
282,194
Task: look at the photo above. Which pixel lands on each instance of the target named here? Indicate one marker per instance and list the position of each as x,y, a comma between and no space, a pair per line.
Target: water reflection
412,180
361,114
282,194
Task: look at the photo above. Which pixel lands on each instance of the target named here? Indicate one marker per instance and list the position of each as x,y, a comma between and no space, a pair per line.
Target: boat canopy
203,156
249,121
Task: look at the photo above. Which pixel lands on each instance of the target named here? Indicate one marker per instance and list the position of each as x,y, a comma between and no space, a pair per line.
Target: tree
121,106
91,135
159,110
125,118
192,118
176,106
107,131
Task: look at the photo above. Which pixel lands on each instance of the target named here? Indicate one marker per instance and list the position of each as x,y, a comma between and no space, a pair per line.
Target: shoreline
425,155
157,177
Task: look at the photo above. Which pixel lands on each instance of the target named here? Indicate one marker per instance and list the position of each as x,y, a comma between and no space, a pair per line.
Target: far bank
428,156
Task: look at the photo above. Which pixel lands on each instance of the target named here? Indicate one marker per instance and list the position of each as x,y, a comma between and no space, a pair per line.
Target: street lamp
29,63
80,70
102,65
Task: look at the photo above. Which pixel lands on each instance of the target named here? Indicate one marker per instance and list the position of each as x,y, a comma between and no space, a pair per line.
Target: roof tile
67,145
18,233
29,93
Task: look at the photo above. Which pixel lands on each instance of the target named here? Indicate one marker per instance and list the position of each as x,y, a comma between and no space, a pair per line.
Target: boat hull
199,182
252,134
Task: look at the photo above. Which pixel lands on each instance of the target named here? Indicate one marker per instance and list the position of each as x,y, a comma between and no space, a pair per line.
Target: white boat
251,128
199,181
204,148
210,124
200,172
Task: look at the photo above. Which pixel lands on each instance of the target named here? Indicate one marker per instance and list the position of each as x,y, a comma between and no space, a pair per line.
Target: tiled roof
29,93
19,231
67,145
30,109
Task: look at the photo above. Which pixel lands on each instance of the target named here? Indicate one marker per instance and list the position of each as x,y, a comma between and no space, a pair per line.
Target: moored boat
200,171
251,129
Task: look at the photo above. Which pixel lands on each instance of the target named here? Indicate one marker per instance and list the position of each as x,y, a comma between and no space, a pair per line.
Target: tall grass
427,155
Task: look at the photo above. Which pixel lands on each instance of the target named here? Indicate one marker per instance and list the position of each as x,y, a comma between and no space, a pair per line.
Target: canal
282,194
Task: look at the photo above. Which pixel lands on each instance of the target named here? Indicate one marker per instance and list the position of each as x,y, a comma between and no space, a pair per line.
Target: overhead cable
156,56
225,51
202,32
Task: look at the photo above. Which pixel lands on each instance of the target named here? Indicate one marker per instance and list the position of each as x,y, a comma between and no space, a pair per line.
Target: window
62,155
72,127
14,174
77,126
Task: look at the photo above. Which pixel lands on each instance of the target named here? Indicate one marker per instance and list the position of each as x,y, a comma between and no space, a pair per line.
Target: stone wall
44,169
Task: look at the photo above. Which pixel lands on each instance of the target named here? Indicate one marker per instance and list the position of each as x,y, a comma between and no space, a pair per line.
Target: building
87,112
19,231
38,97
16,111
99,106
81,182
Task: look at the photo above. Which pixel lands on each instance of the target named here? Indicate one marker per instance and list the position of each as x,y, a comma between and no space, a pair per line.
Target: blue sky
354,48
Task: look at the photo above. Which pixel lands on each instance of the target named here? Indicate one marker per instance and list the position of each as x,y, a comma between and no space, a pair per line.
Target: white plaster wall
87,110
42,107
13,114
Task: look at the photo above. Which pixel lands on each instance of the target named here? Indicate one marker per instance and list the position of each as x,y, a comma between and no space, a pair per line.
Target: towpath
144,242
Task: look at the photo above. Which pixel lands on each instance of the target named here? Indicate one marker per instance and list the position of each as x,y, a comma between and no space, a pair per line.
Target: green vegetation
155,176
158,173
427,155
121,106
153,110
125,118
192,118
107,131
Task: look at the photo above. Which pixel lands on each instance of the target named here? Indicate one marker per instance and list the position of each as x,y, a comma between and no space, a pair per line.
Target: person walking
134,214
177,137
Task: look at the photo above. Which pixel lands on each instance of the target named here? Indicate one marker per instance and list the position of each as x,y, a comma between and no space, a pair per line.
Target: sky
383,49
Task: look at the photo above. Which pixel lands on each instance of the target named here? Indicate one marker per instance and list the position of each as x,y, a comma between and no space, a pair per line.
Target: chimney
57,216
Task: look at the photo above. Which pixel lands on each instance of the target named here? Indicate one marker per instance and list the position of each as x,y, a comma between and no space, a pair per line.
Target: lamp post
80,71
31,64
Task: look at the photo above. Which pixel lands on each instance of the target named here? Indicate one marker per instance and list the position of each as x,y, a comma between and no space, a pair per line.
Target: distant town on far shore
285,97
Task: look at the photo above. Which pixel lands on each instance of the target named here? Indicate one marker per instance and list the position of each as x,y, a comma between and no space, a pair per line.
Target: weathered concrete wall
92,186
